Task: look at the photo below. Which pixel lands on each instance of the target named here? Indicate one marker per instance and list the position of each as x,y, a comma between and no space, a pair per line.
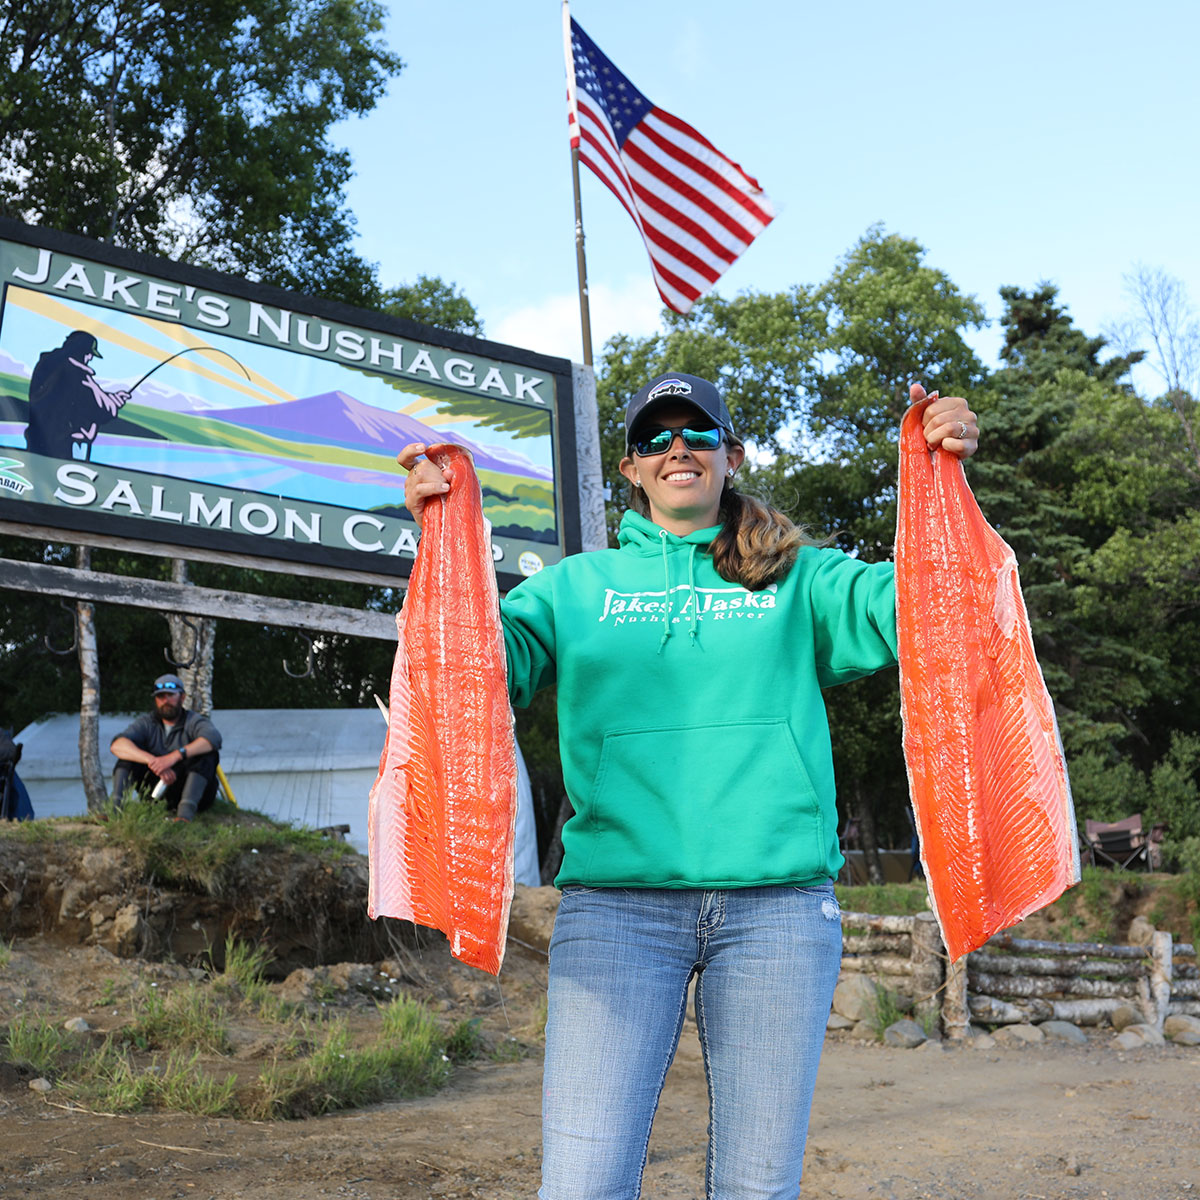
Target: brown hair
757,545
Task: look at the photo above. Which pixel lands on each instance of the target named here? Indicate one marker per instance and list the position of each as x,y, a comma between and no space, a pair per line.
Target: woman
695,750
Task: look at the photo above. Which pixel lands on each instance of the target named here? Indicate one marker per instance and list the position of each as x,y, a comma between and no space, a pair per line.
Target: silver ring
962,431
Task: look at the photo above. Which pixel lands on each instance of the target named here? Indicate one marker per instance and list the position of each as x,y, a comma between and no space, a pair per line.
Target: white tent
306,766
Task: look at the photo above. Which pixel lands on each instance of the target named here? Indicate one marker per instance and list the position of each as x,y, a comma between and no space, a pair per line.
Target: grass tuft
34,1040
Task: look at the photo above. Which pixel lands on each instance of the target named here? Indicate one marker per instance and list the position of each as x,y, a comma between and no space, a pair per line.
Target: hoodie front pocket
705,804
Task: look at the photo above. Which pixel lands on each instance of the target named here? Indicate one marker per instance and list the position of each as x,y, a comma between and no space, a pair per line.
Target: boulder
865,1030
906,1034
125,937
837,1021
1018,1035
1063,1031
1133,1037
1141,932
1187,1038
855,997
1178,1023
1124,1016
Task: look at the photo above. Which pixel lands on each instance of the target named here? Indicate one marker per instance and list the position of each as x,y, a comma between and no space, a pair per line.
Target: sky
1018,142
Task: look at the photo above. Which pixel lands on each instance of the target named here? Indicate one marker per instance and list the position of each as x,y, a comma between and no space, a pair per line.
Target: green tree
1096,493
199,131
435,302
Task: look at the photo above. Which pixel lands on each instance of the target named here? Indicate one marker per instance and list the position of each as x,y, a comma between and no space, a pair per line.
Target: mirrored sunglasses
658,439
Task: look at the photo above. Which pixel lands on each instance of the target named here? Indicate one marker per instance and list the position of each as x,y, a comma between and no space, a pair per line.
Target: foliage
408,1059
435,302
208,854
188,1019
198,130
887,1008
33,1040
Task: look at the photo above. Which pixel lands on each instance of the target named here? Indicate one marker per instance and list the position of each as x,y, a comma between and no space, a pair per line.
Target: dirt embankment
1053,1122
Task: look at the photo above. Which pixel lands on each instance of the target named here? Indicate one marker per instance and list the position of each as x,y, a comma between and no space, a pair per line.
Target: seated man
171,744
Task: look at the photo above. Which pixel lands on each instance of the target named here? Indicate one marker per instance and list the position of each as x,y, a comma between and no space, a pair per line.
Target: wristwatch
182,753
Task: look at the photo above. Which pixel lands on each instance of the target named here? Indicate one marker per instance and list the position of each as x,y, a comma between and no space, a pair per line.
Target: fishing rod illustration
191,350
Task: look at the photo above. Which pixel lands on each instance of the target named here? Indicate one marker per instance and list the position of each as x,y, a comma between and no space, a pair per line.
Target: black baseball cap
166,685
680,388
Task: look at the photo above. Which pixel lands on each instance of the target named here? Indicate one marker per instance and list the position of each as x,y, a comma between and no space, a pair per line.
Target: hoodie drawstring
662,541
694,630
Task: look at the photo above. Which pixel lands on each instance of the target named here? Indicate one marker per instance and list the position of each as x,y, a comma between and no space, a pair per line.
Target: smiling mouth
681,476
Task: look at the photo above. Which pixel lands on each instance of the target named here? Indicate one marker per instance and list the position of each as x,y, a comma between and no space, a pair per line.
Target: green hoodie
695,746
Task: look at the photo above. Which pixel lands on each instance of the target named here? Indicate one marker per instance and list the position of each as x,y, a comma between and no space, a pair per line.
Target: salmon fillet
986,770
443,809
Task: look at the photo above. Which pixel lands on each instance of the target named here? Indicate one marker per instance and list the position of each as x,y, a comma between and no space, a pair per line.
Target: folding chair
1121,844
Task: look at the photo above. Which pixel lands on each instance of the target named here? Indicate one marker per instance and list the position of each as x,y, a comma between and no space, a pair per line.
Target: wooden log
875,943
248,562
1189,1008
927,957
1012,964
878,964
1161,959
1184,970
1004,941
877,924
1085,1012
1189,989
991,1010
956,1021
1185,950
1049,985
201,601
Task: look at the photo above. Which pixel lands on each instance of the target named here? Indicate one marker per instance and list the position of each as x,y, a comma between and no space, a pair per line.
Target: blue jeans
766,962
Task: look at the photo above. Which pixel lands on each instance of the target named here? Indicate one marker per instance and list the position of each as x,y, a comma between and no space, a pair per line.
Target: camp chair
1118,843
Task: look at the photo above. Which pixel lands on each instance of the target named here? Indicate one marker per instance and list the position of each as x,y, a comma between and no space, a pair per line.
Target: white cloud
552,325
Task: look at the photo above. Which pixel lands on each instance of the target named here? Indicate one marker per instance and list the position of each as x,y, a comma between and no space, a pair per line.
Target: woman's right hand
425,479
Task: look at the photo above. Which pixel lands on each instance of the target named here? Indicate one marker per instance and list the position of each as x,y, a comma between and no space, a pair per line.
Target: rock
1186,1038
906,1035
982,1041
1141,932
297,988
855,997
1123,1016
864,1030
1145,1035
1018,1035
125,937
1063,1031
531,918
837,1021
351,977
1178,1023
931,1046
77,1025
40,1085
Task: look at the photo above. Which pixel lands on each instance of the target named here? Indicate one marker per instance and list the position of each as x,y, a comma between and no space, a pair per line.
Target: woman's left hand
949,423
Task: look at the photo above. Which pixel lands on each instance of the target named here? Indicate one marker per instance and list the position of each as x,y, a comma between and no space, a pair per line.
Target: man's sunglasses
658,440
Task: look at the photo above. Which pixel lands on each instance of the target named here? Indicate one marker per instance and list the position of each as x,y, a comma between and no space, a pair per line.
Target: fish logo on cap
669,387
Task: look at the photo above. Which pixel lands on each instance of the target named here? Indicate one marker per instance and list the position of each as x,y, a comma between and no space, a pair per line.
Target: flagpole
585,317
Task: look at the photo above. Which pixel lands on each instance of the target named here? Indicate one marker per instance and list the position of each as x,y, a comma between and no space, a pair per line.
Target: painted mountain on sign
337,417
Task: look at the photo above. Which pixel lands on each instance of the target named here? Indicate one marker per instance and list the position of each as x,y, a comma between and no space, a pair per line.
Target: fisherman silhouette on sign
66,404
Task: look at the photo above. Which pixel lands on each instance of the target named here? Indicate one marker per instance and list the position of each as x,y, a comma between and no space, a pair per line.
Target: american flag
697,210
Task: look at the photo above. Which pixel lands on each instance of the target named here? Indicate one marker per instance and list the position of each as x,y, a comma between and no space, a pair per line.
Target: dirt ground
946,1121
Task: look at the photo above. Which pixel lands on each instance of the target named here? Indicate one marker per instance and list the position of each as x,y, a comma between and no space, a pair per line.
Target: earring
637,483
730,472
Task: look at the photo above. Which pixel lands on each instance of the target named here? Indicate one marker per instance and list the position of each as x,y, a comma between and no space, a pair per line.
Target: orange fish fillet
443,809
985,764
